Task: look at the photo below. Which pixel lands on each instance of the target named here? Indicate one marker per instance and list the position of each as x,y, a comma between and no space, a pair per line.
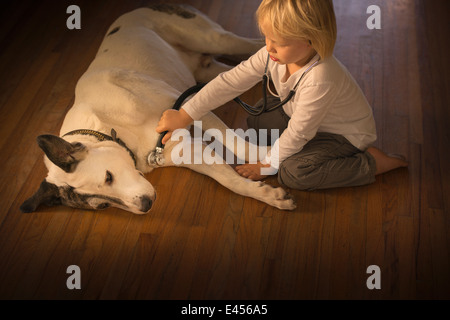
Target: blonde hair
310,20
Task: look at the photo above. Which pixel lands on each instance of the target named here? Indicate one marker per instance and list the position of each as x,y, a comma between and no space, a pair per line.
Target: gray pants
327,161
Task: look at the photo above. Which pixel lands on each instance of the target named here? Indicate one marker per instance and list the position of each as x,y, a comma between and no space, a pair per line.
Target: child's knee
299,175
252,122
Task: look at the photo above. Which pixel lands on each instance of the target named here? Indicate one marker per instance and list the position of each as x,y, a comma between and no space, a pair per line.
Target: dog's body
147,59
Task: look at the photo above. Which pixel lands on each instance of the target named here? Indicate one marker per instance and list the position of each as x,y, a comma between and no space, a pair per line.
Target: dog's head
90,176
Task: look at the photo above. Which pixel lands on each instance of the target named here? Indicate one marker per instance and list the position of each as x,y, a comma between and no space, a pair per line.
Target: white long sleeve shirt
328,99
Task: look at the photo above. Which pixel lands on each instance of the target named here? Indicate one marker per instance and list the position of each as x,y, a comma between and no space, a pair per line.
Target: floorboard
201,241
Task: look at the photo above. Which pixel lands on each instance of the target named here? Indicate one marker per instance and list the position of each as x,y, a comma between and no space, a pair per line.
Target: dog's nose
146,203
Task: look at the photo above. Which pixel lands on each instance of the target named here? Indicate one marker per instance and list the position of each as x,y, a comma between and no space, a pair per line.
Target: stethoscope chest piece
156,157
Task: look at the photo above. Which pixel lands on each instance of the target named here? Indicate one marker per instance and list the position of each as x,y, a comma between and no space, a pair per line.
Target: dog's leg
243,149
209,68
198,33
225,175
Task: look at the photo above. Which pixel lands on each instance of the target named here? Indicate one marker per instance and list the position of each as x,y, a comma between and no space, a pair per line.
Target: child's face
286,51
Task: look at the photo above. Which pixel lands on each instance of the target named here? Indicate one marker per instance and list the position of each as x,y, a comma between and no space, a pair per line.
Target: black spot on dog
52,195
173,9
73,199
113,31
47,194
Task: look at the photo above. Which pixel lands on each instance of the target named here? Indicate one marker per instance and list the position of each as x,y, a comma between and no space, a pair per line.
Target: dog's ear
47,194
64,154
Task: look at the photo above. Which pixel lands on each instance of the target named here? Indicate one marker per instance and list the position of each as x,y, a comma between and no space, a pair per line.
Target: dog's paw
285,201
277,197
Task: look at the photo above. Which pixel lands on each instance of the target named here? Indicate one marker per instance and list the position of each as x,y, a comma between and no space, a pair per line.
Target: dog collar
103,137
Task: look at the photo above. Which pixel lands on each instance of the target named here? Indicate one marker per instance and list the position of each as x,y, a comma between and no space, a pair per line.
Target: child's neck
294,67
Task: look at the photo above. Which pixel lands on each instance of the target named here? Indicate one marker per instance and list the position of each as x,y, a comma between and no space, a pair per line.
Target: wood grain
201,241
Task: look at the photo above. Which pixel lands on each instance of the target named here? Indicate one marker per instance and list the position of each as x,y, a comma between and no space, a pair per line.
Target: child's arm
227,86
219,91
311,105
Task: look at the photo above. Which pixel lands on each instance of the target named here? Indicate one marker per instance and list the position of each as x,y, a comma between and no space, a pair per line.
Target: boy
327,127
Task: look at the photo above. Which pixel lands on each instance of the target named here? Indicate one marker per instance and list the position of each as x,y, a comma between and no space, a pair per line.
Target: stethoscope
156,158
257,111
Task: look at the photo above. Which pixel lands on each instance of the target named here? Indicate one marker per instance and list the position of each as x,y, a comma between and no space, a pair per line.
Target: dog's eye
109,178
103,206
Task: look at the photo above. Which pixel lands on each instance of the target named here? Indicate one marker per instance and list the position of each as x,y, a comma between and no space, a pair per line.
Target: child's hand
172,120
252,171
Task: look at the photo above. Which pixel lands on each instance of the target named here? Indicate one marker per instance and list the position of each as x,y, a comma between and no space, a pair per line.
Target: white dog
147,59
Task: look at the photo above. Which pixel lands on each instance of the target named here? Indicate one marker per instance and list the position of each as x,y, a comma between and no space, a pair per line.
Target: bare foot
386,162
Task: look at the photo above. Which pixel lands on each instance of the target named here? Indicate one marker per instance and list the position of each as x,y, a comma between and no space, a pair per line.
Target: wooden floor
201,241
